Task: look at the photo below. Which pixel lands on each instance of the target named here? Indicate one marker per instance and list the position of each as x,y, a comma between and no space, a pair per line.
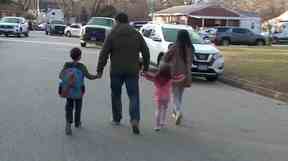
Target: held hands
97,76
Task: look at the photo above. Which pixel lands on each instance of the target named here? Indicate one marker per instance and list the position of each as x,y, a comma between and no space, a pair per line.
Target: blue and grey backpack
72,84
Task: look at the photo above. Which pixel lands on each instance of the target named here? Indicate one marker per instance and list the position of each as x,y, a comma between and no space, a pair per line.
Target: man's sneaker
135,129
115,123
178,118
68,129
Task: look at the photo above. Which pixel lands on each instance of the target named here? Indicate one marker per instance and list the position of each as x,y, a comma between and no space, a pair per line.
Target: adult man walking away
123,45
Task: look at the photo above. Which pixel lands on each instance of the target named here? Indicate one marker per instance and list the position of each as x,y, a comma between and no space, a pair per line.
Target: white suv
14,26
207,60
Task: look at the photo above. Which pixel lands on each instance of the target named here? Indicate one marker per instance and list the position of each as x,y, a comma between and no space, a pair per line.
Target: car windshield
101,22
12,20
222,29
170,35
57,22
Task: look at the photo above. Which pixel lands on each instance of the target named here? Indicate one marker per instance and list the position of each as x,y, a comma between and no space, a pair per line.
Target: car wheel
6,35
260,43
47,33
26,34
18,35
68,34
83,44
275,40
225,42
212,78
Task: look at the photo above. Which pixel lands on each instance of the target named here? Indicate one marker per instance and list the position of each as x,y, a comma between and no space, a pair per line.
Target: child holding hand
162,80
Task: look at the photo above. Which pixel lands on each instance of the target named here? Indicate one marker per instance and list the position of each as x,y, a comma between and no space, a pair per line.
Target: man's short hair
122,18
75,53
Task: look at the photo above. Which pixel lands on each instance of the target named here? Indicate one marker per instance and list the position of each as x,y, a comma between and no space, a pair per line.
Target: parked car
14,26
42,27
138,24
208,33
73,30
207,60
237,36
55,27
281,37
96,30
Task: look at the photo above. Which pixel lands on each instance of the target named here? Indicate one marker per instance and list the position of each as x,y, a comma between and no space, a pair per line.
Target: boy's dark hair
122,18
75,54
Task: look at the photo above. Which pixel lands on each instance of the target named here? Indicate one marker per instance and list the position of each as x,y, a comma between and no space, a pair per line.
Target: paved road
222,123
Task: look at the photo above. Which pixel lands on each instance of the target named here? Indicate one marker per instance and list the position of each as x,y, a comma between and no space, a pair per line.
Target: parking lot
221,123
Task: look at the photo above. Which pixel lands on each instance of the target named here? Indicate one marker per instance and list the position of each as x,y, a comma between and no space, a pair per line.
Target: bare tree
265,8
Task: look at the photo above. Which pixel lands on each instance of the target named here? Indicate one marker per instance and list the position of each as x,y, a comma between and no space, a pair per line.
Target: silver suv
237,36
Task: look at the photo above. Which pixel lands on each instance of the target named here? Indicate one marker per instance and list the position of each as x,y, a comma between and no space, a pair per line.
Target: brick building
10,10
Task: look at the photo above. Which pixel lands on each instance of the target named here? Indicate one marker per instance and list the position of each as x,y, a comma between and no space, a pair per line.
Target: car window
222,29
12,20
75,26
101,22
57,22
240,31
170,35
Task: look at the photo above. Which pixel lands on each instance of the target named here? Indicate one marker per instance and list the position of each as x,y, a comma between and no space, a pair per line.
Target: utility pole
151,7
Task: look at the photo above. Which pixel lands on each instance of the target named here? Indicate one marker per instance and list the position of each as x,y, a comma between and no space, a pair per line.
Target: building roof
199,10
284,16
248,14
182,10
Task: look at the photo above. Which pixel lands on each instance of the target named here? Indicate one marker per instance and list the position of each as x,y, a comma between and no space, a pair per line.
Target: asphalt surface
221,123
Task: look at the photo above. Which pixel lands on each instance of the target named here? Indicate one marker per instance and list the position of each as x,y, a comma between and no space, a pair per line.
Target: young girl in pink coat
163,80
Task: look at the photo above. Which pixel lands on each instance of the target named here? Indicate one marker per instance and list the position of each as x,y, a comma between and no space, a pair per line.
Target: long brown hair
183,42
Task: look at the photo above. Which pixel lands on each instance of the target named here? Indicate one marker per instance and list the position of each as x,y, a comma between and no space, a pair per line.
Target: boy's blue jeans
132,86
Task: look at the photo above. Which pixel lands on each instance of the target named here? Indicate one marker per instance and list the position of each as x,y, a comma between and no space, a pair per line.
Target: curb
252,87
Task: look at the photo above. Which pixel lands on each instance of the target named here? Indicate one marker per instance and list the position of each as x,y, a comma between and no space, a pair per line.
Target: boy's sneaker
135,129
68,129
78,125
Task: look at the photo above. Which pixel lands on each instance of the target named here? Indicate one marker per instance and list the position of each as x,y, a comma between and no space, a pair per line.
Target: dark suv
237,36
96,30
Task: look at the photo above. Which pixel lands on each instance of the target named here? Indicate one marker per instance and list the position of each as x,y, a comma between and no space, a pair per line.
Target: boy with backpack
72,88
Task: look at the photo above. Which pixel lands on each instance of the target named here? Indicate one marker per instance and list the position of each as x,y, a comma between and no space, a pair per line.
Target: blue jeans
132,86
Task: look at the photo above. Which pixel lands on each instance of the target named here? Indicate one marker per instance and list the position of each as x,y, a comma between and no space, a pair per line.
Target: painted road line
40,42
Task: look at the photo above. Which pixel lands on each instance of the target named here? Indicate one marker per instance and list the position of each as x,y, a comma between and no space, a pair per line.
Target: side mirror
156,38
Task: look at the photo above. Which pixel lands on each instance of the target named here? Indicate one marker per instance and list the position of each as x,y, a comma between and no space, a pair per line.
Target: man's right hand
99,75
